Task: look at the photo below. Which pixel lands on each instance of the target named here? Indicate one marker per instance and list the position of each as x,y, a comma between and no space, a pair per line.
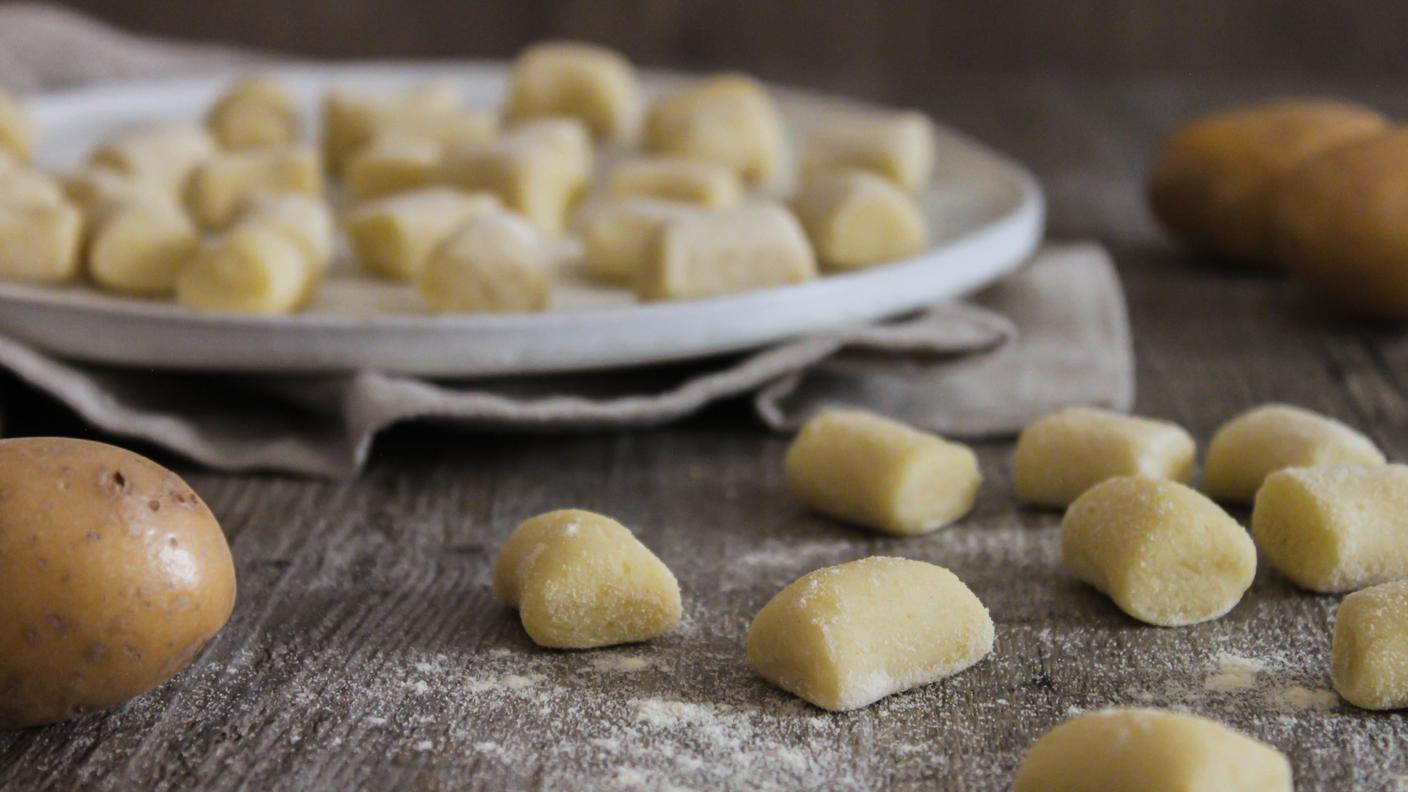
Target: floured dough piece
255,111
304,219
728,119
18,132
221,183
160,154
581,580
897,146
385,167
1261,441
1146,750
40,243
394,236
20,185
878,473
848,635
1334,528
1163,552
1370,667
705,184
253,268
591,83
538,170
714,253
495,262
856,219
139,247
1063,454
616,236
351,119
93,187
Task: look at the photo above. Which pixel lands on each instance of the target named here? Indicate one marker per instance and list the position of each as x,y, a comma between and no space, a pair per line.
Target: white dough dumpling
581,580
387,166
705,184
304,219
161,154
896,146
617,235
494,263
139,247
20,185
18,132
1334,528
539,171
254,268
735,250
1261,441
255,111
1370,667
352,119
848,635
221,183
93,187
880,474
40,243
728,119
1146,750
856,219
591,83
1063,454
393,236
1164,553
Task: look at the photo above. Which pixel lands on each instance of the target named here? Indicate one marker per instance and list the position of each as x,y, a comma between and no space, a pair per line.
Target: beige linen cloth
1053,334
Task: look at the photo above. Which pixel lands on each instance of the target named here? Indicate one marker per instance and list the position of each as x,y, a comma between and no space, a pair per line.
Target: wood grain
366,652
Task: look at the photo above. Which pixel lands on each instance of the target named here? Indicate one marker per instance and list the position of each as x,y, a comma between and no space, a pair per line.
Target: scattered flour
618,663
1234,673
424,745
1301,699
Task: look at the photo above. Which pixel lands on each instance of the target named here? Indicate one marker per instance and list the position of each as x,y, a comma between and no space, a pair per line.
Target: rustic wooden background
365,651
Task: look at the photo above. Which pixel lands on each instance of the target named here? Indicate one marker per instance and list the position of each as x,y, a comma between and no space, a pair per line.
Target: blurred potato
1341,226
1213,181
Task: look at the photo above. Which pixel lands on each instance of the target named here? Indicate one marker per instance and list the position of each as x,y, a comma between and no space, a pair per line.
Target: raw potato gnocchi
1334,528
849,635
1063,454
856,219
94,187
728,119
394,236
113,576
896,146
581,580
161,154
1146,750
865,469
17,130
221,183
253,268
584,81
1216,178
139,247
616,236
539,172
1370,667
40,243
351,120
713,253
1165,554
256,111
387,166
20,185
705,184
1261,441
494,263
304,219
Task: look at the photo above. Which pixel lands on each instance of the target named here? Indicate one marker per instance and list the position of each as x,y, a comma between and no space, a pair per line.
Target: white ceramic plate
986,213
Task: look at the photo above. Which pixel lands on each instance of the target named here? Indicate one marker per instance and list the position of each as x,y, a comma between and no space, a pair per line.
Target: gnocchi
539,173
1370,665
705,184
139,247
896,146
856,219
584,81
256,111
581,580
18,132
353,119
616,236
494,263
253,268
1251,446
1164,553
728,119
849,635
162,154
221,183
394,236
388,166
714,253
869,470
40,243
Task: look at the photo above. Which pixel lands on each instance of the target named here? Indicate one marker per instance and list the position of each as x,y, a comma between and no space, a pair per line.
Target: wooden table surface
367,653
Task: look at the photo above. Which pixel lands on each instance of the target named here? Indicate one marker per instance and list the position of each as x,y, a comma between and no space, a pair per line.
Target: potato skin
1214,180
1341,225
113,575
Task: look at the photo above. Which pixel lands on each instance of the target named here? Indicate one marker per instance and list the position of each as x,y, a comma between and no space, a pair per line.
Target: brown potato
1213,181
113,575
1340,226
